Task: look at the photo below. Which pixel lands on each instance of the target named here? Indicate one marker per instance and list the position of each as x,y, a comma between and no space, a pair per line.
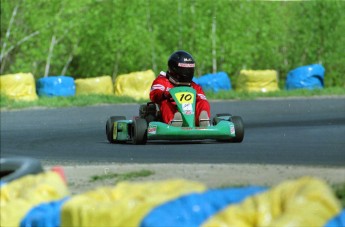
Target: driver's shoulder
195,85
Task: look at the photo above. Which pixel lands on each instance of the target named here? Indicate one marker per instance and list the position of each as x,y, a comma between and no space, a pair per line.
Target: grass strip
122,176
88,100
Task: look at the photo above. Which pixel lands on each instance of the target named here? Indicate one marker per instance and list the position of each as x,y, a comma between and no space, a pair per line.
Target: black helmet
181,68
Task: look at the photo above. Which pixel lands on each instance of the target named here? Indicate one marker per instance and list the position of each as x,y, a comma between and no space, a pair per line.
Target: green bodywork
185,101
121,130
159,130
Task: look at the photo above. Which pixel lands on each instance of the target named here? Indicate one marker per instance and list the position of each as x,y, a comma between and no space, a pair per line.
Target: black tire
239,129
143,110
12,168
139,131
109,127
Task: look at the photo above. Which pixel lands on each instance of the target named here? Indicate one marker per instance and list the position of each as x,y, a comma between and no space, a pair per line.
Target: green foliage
111,37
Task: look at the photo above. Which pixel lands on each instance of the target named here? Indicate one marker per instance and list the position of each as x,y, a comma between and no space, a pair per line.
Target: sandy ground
212,175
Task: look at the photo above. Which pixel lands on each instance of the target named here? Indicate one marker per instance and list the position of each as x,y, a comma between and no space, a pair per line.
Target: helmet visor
183,76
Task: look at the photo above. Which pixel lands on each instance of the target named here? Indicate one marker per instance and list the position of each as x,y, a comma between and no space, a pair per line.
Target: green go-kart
149,126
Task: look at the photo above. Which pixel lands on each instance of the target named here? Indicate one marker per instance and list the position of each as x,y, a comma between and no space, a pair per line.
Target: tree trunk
50,53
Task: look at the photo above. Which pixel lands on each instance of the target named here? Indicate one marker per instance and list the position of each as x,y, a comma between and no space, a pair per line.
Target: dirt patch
212,175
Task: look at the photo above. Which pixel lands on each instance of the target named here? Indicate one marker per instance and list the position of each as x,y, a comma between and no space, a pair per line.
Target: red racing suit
162,84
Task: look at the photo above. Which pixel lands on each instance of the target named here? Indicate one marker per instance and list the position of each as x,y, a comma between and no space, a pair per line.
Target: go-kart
149,125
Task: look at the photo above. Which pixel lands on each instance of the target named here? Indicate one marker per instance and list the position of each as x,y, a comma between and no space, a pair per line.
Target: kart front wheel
239,129
139,131
109,128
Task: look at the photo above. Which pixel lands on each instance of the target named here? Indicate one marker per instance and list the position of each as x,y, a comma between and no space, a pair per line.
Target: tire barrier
136,85
55,86
43,200
214,82
102,85
18,197
306,77
19,86
337,221
22,86
12,168
257,81
304,202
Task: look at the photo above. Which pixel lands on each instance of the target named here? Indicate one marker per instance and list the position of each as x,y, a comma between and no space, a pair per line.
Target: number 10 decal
185,97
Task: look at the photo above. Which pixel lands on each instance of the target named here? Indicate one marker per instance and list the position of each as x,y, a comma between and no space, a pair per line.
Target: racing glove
167,96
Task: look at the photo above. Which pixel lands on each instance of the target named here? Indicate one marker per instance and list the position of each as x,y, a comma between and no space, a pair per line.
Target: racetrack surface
301,131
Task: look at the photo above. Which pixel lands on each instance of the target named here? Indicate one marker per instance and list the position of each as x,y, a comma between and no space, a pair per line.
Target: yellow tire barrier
124,205
19,196
19,86
102,85
304,202
136,85
43,200
257,81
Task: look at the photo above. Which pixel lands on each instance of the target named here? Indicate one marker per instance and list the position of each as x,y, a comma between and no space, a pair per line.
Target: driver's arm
158,91
200,95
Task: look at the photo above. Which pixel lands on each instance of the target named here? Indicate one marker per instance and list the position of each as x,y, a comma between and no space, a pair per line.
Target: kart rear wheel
139,131
109,128
239,129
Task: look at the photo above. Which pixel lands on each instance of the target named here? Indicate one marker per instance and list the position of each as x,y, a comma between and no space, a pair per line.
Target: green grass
279,94
54,102
122,176
87,100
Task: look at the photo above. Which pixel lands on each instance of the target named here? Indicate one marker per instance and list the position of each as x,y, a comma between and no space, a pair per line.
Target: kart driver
180,73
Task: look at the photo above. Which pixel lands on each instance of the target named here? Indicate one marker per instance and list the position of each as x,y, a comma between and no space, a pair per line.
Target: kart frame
149,126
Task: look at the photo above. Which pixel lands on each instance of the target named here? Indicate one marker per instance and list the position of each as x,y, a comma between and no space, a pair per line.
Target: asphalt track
297,131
